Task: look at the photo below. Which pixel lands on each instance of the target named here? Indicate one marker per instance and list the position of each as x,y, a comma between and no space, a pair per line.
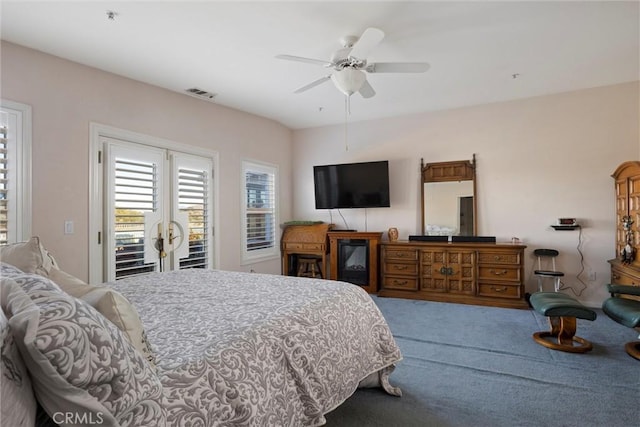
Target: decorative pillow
18,401
112,305
64,279
81,365
116,308
8,270
29,256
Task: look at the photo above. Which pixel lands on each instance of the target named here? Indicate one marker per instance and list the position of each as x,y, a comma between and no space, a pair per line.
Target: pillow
8,270
64,279
108,302
112,305
18,401
29,256
116,308
79,362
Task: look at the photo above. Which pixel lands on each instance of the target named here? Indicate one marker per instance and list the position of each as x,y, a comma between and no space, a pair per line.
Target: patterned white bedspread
262,350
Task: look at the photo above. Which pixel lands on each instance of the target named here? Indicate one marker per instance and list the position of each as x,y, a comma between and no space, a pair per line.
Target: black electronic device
421,238
352,185
473,239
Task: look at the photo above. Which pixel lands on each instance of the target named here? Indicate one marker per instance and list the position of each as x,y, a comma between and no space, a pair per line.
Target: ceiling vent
202,94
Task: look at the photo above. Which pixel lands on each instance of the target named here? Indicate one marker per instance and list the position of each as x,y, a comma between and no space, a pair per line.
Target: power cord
563,286
344,220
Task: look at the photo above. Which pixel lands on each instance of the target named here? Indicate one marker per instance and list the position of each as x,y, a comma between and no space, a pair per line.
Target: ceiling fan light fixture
348,80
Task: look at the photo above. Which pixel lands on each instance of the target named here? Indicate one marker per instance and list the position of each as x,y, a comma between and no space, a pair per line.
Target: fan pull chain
347,111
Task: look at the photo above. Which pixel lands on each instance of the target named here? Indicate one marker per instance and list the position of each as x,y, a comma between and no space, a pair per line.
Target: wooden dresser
627,192
468,273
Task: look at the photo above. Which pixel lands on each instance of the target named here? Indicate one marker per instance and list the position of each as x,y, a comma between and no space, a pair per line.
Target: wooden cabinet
627,195
299,241
354,258
467,273
448,270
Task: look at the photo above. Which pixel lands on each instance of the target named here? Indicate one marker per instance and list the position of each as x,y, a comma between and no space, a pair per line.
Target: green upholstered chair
625,311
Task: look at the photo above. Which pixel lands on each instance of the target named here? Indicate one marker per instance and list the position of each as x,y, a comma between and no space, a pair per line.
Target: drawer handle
400,254
399,283
616,277
502,289
445,271
498,273
400,267
497,257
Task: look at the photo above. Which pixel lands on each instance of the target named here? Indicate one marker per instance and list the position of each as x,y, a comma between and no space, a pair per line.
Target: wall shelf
565,227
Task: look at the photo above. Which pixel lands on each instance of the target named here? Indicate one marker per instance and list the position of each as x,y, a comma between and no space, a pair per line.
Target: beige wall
537,159
66,97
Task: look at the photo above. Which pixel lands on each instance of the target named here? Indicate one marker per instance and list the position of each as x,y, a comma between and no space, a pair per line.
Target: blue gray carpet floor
468,365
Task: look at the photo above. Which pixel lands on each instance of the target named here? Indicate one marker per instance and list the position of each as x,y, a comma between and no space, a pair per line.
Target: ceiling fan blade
369,39
366,90
397,67
307,60
313,84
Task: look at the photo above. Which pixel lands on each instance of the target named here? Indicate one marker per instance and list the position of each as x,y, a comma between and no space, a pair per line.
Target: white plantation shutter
135,208
152,190
15,171
146,189
192,211
4,182
259,211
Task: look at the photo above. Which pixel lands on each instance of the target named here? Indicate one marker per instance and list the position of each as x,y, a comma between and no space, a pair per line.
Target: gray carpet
467,365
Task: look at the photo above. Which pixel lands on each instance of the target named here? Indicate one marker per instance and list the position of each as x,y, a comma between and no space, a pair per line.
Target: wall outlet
68,227
592,276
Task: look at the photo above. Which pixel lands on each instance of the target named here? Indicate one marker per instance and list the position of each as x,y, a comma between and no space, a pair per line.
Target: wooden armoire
625,267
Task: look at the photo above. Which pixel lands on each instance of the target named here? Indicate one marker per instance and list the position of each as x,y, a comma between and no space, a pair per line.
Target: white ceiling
474,48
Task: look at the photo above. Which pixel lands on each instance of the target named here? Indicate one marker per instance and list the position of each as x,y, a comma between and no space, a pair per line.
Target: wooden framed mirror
448,198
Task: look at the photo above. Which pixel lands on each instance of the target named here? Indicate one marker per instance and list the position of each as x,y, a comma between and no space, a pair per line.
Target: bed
217,348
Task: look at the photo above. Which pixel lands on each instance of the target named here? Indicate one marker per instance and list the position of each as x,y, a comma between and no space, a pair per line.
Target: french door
157,209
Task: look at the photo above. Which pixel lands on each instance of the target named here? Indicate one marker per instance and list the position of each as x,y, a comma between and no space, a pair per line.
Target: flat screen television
352,185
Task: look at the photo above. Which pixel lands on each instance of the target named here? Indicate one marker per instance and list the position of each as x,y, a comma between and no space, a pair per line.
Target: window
259,212
15,172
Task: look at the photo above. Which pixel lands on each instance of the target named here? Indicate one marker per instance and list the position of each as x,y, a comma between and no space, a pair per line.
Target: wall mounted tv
352,185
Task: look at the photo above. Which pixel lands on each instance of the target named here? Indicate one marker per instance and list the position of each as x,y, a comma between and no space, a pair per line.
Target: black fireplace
353,261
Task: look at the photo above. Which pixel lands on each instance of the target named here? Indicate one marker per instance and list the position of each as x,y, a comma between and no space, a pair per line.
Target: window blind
135,193
4,181
192,199
260,210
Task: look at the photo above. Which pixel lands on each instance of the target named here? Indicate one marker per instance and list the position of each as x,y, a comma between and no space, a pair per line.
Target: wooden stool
562,311
309,267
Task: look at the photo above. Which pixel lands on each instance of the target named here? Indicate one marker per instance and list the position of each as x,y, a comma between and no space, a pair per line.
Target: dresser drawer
621,278
304,246
486,257
399,282
400,268
493,273
400,254
499,291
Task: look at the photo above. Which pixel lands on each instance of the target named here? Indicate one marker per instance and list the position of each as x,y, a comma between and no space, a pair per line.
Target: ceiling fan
350,63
